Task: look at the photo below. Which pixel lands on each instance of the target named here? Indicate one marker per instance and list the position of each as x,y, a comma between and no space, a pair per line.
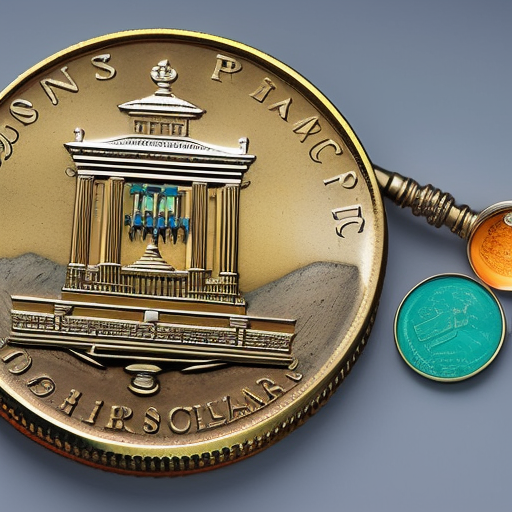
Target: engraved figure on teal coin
449,327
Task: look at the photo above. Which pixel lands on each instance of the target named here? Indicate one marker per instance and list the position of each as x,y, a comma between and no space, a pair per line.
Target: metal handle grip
438,207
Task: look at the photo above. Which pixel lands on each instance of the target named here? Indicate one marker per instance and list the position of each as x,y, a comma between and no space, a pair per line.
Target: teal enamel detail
449,327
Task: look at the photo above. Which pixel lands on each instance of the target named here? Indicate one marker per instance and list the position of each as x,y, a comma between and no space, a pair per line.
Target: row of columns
112,224
228,227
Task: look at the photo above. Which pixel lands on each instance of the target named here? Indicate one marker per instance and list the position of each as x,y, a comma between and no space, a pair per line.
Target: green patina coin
449,327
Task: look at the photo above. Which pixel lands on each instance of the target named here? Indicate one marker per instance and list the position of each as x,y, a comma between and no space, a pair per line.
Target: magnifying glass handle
438,207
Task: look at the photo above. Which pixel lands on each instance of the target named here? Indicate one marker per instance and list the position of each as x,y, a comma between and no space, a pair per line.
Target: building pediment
161,106
160,147
170,158
148,143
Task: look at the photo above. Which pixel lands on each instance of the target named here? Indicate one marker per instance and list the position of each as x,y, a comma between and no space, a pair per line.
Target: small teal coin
449,327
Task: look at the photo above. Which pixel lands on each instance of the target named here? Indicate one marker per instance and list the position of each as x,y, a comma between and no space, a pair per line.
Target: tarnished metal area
209,257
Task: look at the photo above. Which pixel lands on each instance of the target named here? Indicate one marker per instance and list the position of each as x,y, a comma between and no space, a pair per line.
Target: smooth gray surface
427,88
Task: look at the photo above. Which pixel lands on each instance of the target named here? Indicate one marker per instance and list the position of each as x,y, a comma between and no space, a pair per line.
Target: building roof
161,157
162,102
163,105
153,157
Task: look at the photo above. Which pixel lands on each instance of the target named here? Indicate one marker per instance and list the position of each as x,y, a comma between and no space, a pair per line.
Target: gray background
427,88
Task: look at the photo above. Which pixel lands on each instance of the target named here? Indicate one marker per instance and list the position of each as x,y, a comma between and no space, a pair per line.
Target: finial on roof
163,74
79,134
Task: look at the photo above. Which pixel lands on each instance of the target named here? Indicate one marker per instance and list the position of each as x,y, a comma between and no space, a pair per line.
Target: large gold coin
193,244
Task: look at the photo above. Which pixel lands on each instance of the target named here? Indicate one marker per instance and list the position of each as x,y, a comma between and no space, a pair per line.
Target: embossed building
155,188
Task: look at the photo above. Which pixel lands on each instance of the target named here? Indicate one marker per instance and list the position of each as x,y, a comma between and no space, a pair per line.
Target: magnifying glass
488,233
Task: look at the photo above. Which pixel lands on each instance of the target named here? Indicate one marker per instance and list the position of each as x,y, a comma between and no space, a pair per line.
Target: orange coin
490,246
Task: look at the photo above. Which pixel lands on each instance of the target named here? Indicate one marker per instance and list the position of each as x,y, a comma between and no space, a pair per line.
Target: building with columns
156,191
172,181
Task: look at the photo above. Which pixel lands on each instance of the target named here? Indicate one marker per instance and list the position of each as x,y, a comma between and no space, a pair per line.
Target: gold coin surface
193,253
